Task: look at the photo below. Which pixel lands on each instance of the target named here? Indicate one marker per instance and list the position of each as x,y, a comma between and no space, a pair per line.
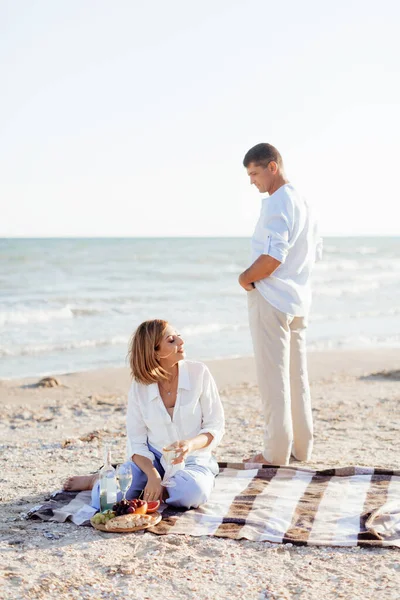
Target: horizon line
185,237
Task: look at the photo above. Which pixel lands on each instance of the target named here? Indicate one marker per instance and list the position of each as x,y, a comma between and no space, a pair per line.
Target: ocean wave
359,314
366,250
210,328
349,289
363,250
42,315
387,265
356,341
337,265
51,348
34,316
387,278
85,312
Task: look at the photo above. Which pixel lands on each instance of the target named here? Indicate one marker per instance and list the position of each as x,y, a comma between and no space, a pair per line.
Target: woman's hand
153,489
185,447
182,449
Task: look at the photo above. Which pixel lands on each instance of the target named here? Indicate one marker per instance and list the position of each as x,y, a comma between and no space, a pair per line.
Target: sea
72,304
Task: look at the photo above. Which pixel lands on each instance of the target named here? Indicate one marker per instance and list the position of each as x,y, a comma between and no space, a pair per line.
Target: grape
123,507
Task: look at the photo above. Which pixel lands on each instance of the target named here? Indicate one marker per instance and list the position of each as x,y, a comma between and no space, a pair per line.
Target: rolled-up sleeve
136,430
213,419
276,231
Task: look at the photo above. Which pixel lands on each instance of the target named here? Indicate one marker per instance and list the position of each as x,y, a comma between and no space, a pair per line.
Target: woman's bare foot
257,458
78,483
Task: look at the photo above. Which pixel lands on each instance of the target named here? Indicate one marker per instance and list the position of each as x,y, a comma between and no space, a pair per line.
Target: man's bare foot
257,458
294,459
78,483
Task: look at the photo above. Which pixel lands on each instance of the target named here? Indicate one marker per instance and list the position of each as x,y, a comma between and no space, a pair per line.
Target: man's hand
261,268
246,286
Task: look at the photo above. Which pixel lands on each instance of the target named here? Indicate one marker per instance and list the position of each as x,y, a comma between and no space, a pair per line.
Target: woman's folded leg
194,485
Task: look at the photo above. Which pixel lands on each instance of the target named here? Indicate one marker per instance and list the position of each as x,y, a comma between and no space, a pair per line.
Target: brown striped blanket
347,506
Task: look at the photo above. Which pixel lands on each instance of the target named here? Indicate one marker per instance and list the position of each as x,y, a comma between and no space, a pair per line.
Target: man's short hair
262,155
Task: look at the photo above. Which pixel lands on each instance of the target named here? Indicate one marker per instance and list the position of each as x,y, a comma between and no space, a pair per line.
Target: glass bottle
108,482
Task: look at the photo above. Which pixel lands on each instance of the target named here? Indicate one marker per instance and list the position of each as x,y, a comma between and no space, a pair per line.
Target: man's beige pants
281,361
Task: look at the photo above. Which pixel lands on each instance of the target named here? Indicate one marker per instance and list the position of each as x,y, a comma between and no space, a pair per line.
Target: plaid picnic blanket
347,506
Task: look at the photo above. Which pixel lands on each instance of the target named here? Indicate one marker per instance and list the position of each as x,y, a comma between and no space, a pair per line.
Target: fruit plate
153,519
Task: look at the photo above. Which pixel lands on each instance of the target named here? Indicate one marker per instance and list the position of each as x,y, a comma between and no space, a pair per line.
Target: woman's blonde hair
142,353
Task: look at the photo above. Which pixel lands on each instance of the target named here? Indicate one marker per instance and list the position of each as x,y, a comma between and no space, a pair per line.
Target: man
284,247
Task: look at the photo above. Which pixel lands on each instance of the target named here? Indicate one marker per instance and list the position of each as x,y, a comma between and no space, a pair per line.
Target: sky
132,119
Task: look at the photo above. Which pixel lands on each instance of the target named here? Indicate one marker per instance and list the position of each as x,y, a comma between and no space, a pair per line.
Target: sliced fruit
141,509
152,506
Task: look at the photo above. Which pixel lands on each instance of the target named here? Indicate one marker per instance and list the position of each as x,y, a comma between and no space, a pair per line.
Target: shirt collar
183,382
183,378
152,391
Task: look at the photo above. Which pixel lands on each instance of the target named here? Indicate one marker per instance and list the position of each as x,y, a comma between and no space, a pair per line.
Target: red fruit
131,510
152,506
140,506
142,509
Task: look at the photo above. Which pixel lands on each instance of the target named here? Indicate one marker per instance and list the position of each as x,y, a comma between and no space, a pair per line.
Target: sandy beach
45,437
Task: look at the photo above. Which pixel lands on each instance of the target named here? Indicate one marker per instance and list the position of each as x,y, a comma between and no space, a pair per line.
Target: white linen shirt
287,231
198,409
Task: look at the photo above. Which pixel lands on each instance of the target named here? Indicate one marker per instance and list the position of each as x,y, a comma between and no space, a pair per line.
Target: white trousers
279,344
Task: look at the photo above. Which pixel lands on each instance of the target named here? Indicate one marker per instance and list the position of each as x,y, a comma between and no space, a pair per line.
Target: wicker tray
153,519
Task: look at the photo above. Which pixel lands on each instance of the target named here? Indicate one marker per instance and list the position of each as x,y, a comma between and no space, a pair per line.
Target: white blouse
198,409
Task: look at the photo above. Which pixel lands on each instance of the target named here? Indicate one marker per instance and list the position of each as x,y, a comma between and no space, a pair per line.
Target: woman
171,401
